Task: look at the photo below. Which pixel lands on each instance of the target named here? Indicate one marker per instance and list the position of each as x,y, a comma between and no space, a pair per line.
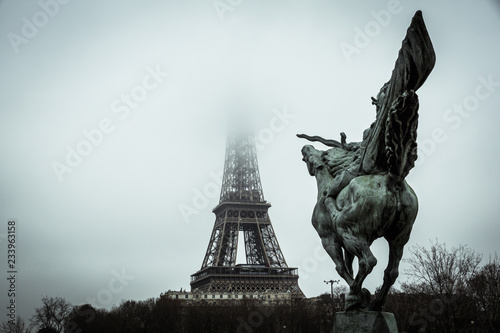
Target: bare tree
52,314
440,271
485,289
19,326
439,283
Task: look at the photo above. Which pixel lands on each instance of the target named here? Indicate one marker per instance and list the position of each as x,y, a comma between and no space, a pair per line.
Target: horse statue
362,191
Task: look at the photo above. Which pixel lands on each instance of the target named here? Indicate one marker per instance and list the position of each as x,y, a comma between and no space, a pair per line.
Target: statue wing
390,145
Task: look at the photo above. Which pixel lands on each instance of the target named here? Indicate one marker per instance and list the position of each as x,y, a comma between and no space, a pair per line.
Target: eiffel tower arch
242,211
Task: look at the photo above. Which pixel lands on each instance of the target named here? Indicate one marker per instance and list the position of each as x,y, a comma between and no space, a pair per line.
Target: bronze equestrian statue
362,191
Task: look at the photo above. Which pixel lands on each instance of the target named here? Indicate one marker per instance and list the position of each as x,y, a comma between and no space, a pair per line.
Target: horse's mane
338,160
401,136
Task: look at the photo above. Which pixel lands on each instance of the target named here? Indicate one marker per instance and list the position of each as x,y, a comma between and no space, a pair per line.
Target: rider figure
343,179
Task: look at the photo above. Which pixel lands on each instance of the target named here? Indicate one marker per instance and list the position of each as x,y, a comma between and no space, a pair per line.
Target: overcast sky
112,130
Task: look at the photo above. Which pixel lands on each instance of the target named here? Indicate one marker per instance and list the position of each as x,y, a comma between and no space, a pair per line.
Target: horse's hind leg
407,215
390,274
366,261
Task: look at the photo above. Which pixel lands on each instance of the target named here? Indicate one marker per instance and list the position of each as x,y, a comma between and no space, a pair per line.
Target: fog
114,116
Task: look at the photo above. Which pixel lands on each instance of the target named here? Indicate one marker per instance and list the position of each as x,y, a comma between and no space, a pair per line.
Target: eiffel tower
243,210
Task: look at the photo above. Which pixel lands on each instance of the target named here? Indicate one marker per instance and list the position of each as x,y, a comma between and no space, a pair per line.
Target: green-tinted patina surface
362,191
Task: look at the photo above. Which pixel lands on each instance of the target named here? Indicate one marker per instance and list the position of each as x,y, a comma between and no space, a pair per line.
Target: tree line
447,290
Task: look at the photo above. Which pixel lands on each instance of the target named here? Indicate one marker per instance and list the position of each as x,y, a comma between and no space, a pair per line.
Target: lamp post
331,285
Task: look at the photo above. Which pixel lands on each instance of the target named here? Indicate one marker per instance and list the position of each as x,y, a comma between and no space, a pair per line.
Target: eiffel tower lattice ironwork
243,210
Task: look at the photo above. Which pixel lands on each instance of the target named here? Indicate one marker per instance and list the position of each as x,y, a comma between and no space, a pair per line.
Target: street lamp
331,285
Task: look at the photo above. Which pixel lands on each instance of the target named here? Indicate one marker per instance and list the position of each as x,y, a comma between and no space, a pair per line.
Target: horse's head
313,159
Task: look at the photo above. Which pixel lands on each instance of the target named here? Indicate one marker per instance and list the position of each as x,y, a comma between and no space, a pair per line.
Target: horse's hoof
365,297
357,301
352,302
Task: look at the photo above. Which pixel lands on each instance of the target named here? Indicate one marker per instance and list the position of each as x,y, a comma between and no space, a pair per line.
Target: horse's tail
401,137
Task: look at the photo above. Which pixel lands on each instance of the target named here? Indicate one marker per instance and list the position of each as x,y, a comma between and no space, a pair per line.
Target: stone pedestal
364,322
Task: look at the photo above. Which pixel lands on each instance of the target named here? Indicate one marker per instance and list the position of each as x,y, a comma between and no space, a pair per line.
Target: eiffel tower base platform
247,279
